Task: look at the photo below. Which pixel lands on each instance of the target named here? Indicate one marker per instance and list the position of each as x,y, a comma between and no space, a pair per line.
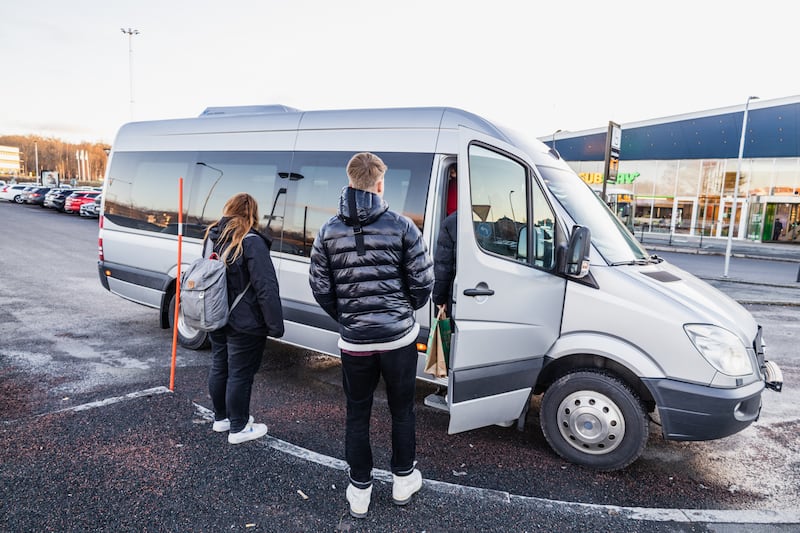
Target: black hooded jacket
372,296
260,311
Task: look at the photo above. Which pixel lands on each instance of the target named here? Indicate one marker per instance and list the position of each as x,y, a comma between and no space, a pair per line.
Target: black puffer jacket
444,262
260,311
373,297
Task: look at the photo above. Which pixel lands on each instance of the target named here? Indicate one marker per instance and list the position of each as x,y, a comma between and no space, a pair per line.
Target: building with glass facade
9,161
678,174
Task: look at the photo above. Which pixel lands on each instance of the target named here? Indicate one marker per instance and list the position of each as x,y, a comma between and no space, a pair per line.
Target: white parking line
101,403
652,514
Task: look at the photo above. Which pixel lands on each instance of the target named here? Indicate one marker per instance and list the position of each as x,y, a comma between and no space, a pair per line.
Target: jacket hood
369,206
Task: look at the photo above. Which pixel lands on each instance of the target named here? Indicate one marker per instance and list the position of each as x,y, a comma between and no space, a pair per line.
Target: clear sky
537,66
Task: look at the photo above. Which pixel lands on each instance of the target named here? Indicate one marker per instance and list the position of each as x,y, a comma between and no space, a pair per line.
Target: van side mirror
576,258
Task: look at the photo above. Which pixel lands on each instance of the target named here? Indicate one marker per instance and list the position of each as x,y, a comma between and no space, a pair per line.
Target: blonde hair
364,170
242,212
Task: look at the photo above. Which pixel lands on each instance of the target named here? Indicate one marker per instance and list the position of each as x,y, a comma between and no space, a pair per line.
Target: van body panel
135,293
486,381
276,131
380,140
481,412
694,412
650,315
608,346
707,303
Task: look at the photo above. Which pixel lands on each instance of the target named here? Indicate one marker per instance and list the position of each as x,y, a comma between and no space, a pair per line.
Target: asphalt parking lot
93,440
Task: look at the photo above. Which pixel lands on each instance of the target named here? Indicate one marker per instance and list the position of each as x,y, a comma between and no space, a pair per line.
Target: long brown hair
241,210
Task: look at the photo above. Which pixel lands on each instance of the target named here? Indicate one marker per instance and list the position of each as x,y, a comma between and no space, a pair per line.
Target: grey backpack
204,292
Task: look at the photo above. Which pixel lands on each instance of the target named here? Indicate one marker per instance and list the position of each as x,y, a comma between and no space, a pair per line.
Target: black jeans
360,375
235,359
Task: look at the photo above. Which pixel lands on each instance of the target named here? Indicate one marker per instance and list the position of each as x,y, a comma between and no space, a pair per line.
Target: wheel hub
591,422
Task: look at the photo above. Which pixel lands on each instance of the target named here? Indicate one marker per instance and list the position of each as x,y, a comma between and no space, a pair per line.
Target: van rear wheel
594,419
188,337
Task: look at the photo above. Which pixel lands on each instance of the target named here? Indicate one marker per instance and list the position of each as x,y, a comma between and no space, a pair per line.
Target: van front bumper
697,412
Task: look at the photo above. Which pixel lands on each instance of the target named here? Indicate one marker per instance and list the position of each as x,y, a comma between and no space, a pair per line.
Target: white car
13,193
91,209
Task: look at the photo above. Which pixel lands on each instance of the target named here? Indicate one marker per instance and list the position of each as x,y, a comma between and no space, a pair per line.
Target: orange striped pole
177,287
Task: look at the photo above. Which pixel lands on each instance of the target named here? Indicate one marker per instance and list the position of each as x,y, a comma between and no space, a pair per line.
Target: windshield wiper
647,261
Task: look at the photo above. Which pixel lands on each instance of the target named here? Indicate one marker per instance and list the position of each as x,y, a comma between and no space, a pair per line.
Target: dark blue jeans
235,359
360,376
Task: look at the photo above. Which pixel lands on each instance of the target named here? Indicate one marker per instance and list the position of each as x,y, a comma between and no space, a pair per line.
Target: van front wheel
188,337
594,419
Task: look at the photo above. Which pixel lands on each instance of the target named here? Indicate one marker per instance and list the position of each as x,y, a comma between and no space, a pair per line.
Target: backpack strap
358,233
208,248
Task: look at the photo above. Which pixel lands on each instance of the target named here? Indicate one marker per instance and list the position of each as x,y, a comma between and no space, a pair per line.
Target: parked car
24,194
13,192
75,200
36,195
56,197
91,209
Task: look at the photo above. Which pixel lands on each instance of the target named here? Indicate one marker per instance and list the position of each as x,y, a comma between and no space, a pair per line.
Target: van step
437,401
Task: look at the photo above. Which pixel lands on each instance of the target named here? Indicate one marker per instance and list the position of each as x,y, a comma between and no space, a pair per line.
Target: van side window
499,189
142,189
317,179
219,175
296,193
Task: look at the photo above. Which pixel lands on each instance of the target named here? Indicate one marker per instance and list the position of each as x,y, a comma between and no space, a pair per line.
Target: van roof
262,124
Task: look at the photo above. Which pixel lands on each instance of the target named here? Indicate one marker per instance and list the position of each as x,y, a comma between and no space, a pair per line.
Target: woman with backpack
238,347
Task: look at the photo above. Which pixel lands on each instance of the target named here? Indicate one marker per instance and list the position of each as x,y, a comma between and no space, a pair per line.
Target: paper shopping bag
438,346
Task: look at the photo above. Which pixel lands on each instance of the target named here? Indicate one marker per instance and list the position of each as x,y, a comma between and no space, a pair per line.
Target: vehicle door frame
496,358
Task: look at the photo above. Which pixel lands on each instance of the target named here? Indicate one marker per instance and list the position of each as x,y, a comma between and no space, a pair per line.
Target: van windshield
611,238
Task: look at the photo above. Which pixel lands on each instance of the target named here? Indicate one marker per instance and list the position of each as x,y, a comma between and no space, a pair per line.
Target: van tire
594,419
188,337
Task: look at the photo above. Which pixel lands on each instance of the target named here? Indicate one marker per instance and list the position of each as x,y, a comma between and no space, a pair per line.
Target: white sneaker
358,500
223,425
404,487
250,432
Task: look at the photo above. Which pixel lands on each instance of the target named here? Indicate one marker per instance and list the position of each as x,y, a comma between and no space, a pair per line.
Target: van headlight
721,348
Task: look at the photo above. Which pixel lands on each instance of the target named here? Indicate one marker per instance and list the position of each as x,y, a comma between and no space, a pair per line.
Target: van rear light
100,221
100,248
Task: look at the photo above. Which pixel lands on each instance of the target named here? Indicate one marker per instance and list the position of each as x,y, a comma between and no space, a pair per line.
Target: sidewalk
775,251
750,280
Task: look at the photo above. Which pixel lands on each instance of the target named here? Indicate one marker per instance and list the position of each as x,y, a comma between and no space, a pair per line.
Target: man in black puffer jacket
370,270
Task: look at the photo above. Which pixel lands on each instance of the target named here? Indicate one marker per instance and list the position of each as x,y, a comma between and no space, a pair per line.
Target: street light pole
553,143
736,187
130,33
36,151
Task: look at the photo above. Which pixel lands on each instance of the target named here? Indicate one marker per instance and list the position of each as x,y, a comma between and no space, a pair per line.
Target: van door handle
482,291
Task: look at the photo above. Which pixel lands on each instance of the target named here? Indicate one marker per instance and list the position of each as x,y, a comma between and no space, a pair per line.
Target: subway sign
596,178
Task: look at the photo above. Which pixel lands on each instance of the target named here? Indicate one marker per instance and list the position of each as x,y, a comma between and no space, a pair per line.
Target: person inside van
444,257
370,270
238,348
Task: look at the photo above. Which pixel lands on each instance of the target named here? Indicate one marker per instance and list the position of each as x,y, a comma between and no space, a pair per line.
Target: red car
75,200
